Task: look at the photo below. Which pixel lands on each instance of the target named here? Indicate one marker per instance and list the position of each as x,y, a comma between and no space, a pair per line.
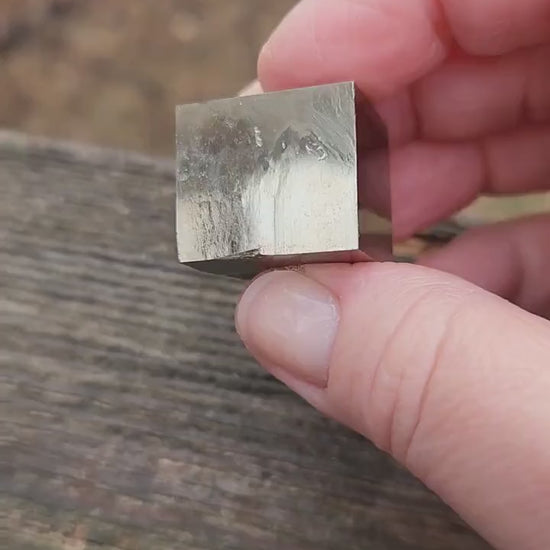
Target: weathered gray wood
130,415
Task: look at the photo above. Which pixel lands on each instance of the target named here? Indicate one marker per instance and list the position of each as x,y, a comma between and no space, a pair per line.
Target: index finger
386,44
380,44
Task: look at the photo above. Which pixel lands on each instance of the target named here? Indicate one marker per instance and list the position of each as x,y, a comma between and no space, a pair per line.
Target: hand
449,378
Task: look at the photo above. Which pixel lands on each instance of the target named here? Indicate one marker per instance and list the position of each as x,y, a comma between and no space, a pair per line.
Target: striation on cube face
277,179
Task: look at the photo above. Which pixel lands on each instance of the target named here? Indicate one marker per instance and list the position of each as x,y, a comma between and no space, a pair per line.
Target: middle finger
511,259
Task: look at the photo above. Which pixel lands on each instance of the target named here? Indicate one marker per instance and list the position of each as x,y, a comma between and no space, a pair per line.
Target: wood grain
130,415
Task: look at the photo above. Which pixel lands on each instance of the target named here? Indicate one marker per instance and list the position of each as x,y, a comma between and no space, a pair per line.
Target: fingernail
290,321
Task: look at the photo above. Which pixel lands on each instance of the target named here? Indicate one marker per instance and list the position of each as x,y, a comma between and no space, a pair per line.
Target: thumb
452,381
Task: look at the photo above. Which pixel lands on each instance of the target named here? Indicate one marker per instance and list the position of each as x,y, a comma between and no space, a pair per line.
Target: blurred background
111,71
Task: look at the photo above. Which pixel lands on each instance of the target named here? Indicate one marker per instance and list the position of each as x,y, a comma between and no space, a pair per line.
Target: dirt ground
111,71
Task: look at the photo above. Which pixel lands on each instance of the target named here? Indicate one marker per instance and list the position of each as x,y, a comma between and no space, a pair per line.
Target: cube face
268,180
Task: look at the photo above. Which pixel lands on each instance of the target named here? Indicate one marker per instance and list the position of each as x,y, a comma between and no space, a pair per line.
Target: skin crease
445,365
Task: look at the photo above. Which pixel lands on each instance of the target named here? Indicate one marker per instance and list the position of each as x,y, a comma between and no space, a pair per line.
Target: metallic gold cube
276,180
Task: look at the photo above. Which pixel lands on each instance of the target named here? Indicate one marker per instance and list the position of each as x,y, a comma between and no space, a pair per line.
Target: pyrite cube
276,180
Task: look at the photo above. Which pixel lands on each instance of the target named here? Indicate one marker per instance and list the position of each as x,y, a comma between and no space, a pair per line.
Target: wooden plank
131,416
